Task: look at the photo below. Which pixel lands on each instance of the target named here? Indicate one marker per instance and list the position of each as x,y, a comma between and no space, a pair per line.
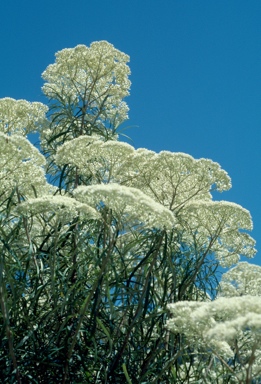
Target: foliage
91,258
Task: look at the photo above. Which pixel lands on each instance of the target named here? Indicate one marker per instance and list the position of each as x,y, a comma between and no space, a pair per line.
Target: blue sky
196,73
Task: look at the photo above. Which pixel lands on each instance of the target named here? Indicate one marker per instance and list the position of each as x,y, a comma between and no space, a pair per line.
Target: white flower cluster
21,117
128,204
172,179
21,166
243,279
93,78
224,328
63,207
176,181
92,156
219,224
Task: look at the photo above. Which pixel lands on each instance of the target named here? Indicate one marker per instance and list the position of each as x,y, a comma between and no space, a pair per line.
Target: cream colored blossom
94,79
176,181
243,279
21,117
21,166
224,327
62,206
218,225
127,203
173,179
92,156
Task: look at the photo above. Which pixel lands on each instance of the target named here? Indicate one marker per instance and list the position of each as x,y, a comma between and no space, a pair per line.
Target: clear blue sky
196,73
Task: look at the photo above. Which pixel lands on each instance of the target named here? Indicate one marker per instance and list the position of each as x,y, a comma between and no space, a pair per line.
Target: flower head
92,82
21,117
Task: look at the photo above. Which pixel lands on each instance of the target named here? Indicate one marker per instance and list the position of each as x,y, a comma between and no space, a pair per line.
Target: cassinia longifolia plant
110,255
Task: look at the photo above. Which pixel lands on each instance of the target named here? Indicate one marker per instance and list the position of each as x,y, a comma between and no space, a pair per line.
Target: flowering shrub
97,238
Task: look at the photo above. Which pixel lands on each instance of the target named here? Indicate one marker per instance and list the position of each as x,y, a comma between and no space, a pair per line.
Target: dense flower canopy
21,166
176,181
98,237
243,279
128,204
225,328
89,85
62,206
21,117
